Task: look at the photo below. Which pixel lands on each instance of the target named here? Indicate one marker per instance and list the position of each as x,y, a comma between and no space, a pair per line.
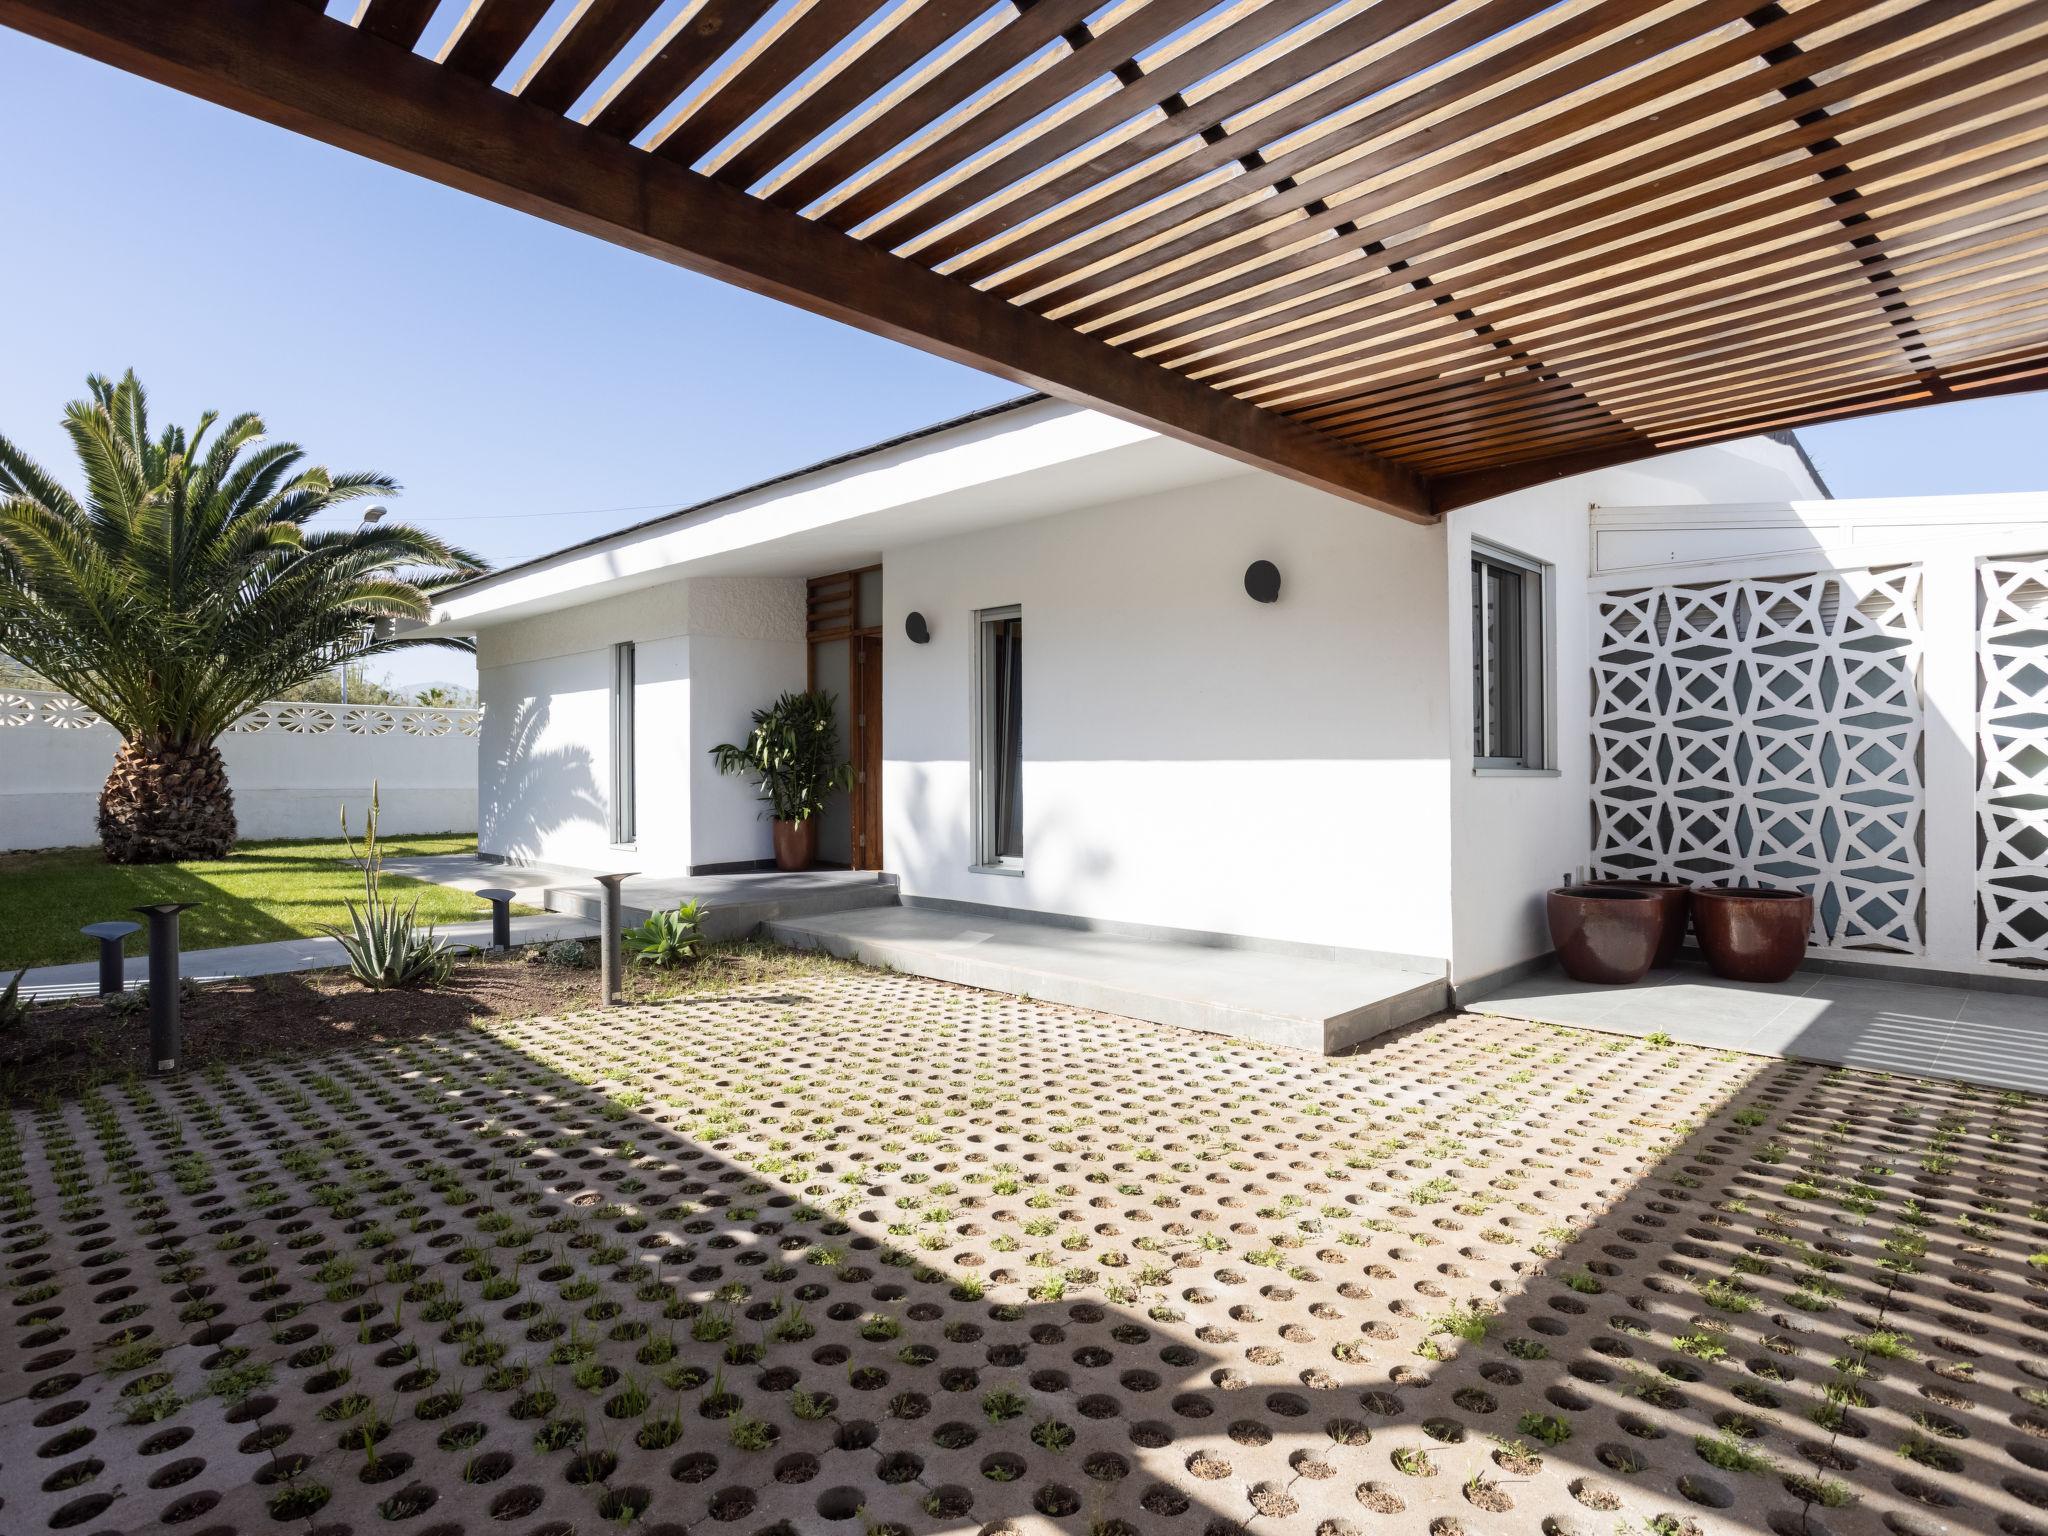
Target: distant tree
443,696
14,675
184,587
362,689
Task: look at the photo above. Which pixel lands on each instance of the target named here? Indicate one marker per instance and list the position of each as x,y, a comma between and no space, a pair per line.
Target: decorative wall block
2012,759
57,711
1768,732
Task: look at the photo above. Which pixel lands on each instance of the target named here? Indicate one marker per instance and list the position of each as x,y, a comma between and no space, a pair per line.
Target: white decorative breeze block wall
2012,759
291,767
1768,731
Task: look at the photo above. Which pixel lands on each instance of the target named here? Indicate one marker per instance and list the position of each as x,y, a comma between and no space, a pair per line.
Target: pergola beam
2024,375
293,66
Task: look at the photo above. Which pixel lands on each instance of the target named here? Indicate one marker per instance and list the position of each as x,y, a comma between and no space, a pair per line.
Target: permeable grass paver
259,893
868,1252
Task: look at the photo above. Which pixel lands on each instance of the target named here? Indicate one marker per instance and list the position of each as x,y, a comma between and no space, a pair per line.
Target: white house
1097,721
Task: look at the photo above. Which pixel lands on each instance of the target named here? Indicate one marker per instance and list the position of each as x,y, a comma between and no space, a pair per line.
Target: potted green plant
792,754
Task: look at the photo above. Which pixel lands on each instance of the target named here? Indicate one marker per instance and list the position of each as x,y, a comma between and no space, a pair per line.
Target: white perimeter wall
1515,836
1192,759
709,651
289,780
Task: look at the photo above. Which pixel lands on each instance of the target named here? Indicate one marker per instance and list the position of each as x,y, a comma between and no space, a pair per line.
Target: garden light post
110,936
609,937
501,914
166,1028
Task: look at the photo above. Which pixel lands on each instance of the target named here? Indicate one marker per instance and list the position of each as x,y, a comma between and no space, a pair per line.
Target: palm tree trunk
167,801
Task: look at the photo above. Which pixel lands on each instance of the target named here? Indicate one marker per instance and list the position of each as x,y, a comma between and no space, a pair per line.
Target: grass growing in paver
261,892
855,1251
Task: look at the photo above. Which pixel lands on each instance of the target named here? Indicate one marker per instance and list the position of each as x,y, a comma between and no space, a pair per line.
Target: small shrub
1730,1453
1002,1404
667,939
566,955
13,1011
1547,1427
1701,1346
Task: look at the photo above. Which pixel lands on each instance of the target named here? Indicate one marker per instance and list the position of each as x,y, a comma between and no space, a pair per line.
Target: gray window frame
625,740
989,736
1512,665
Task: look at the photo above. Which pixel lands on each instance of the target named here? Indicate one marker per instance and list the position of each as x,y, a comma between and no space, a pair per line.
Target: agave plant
183,588
386,944
667,939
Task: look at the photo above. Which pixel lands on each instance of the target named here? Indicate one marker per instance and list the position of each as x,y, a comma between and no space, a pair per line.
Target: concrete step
735,906
1324,1005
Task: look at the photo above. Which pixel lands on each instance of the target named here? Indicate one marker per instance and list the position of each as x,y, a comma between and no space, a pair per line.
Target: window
623,830
1510,646
999,738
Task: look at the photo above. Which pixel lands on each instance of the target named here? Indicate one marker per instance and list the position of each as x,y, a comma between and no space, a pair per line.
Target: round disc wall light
915,627
1262,581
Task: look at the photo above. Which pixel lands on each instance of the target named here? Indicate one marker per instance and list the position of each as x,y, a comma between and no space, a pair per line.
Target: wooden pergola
1416,253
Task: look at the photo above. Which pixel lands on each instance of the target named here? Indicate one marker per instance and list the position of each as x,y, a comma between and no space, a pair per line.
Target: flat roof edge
725,498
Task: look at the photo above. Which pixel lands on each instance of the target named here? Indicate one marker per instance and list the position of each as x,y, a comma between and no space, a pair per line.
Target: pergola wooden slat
1415,252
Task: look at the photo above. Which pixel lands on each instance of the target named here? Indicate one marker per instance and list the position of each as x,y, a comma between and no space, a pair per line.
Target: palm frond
184,586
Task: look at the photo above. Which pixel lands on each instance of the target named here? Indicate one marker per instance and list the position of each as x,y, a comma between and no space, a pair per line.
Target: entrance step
1307,1003
734,905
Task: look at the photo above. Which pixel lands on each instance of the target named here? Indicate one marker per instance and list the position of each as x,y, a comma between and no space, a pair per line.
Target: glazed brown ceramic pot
1754,933
796,843
1674,903
1604,934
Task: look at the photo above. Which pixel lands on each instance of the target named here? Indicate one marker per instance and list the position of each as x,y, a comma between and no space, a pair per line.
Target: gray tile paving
1992,1037
1308,1003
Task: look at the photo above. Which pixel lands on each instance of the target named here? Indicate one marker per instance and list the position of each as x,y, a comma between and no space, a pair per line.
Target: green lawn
263,891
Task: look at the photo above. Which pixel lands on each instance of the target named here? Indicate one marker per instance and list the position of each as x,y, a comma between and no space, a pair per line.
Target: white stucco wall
286,782
709,650
1192,759
1515,836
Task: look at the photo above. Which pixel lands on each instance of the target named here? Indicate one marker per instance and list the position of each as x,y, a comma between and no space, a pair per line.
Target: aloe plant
13,1011
386,944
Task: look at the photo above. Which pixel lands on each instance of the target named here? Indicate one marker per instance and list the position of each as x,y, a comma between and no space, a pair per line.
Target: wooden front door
867,751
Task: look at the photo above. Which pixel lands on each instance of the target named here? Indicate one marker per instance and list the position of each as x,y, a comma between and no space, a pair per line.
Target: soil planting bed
849,1251
68,1046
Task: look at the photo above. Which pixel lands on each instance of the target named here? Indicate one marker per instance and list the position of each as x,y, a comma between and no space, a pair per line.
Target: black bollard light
501,914
166,1028
110,936
610,933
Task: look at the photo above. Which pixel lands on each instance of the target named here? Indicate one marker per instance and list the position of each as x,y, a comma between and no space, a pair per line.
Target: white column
1948,597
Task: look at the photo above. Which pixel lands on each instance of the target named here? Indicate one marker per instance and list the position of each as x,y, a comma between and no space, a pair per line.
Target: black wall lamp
915,627
1262,581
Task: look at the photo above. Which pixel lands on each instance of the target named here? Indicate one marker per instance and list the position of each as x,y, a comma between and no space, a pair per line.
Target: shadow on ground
893,1256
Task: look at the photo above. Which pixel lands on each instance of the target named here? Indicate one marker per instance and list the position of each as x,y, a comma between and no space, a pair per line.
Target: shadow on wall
930,832
528,791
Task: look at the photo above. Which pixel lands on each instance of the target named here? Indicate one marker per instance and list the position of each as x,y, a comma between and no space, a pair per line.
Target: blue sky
528,385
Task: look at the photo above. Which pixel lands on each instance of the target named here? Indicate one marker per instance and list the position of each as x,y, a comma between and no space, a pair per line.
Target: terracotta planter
1604,934
1755,934
796,843
1674,902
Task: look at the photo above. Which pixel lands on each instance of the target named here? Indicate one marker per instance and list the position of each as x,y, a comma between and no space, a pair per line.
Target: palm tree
184,588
